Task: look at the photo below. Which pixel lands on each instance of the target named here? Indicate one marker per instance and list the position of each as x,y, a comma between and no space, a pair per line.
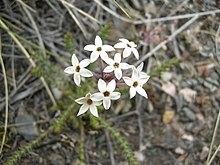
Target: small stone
168,116
179,150
189,114
204,153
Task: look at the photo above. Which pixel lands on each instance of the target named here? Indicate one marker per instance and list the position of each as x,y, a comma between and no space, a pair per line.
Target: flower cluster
115,74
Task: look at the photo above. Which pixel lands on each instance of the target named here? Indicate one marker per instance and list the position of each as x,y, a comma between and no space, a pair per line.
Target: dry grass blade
6,98
80,11
81,26
29,58
213,140
24,4
122,9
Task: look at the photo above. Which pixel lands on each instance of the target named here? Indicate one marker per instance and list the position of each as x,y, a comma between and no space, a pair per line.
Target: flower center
106,93
77,69
128,45
99,49
116,65
89,101
135,84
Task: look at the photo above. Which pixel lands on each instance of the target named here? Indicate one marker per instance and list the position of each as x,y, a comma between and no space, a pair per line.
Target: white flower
136,84
88,103
116,66
142,75
98,50
78,69
128,48
106,93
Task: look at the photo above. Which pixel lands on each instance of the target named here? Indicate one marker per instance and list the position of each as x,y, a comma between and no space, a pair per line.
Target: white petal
135,74
82,109
118,73
110,61
77,79
115,95
93,110
141,91
80,100
109,69
132,92
120,45
125,41
106,103
74,60
101,85
104,56
117,57
111,86
97,103
143,78
140,67
132,44
70,70
124,66
128,81
136,54
84,63
94,56
97,96
85,73
126,52
107,48
90,47
98,41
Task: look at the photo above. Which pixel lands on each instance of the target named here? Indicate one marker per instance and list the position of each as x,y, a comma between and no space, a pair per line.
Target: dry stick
155,19
213,138
110,148
30,60
216,43
168,40
6,98
213,156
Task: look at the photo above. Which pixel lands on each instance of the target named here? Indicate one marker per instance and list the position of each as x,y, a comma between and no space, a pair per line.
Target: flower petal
117,58
128,81
77,79
132,44
107,48
82,109
84,63
93,110
125,41
94,56
90,47
101,85
107,103
135,74
85,73
124,66
110,61
74,60
120,45
141,91
115,95
80,100
111,86
118,73
126,52
69,70
108,69
98,41
104,56
140,67
132,92
97,103
136,54
143,78
97,96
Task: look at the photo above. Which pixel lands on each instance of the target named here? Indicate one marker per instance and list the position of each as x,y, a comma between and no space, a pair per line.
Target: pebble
204,153
189,114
